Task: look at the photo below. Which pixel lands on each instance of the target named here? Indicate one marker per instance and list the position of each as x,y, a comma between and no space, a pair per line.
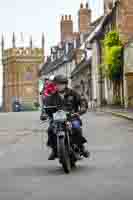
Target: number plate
61,133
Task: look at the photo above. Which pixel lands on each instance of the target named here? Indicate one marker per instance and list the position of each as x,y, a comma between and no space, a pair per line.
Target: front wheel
73,164
64,155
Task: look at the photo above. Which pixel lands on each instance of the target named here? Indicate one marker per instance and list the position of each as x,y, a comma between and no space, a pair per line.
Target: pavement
26,174
118,112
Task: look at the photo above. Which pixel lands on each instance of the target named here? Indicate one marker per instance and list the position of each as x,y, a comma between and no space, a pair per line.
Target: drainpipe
100,74
123,77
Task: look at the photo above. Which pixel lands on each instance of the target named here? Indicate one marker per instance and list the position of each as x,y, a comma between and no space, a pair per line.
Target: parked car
16,107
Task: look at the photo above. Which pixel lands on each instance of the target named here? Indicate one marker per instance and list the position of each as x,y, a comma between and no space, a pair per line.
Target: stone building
20,73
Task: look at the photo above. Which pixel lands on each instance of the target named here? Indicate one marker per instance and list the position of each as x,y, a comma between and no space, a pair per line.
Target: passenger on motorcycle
48,89
70,101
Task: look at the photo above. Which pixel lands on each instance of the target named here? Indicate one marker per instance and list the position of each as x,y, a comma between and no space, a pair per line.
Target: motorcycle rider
70,101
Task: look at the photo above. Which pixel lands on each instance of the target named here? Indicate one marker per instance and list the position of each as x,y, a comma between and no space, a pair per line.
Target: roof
98,29
51,66
104,21
94,32
81,66
93,26
97,21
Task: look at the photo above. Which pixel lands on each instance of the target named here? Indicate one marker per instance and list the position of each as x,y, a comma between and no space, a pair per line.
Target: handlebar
59,107
49,107
75,114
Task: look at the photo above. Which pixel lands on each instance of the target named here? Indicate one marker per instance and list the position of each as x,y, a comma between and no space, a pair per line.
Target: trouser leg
77,137
52,142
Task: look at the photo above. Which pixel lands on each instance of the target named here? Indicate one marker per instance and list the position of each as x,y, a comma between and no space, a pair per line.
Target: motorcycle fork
66,137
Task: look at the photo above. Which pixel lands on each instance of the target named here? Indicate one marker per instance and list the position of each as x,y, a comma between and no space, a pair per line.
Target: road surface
26,174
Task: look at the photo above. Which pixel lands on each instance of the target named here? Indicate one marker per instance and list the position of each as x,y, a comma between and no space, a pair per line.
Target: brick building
121,17
118,14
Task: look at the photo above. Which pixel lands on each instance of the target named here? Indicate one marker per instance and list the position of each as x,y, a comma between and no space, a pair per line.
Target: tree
112,60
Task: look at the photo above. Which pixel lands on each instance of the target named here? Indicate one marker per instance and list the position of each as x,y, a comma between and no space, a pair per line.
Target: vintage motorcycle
63,123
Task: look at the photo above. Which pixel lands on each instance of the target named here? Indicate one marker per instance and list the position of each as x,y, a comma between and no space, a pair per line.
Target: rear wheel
64,156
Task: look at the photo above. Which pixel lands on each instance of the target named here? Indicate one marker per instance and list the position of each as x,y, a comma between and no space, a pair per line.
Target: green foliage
112,60
112,39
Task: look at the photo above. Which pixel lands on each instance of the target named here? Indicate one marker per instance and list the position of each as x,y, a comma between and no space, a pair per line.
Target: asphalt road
26,174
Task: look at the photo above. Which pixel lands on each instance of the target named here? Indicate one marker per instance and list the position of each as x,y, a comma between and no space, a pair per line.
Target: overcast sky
33,17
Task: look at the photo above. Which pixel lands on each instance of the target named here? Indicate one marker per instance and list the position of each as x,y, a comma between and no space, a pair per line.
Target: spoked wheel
64,156
72,161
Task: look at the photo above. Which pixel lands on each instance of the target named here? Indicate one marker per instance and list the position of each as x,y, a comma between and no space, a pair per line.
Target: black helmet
60,79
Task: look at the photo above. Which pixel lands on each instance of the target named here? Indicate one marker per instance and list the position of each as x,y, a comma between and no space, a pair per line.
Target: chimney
31,43
62,18
2,44
108,4
81,5
43,41
84,18
66,17
13,41
87,5
66,28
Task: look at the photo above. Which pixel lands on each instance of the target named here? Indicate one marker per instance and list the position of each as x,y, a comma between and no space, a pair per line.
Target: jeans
77,137
52,140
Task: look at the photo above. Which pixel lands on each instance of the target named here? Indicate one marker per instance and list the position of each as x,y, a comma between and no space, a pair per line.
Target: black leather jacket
70,101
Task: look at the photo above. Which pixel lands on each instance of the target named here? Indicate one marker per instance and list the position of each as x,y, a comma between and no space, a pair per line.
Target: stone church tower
20,73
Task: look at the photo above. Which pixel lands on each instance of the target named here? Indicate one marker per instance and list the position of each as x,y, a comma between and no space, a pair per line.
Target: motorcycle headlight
60,116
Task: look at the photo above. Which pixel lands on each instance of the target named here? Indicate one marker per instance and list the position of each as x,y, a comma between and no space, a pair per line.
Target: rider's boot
52,155
84,150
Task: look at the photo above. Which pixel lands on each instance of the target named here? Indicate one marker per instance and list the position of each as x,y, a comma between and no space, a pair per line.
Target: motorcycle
67,152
